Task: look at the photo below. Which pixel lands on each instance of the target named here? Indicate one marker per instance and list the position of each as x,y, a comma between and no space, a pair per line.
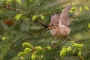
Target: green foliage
18,1
73,9
8,1
21,54
36,53
34,17
18,16
33,56
86,8
37,16
26,44
63,52
42,17
80,9
79,53
73,49
69,49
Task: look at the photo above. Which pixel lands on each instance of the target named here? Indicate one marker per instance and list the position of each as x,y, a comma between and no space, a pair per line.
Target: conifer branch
41,23
80,57
10,8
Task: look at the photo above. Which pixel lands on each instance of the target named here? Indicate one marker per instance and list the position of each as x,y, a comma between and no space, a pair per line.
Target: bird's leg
66,38
70,39
55,41
64,41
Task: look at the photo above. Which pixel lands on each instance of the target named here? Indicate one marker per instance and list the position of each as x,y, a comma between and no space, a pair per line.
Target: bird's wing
54,19
63,20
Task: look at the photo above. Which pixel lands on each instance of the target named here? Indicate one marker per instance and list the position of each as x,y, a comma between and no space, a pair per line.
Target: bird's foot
54,43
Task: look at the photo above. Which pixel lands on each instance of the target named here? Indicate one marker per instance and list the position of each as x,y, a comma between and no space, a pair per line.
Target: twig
18,10
41,23
80,57
10,8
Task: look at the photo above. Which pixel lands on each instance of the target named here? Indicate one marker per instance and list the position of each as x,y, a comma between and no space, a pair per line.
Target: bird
59,24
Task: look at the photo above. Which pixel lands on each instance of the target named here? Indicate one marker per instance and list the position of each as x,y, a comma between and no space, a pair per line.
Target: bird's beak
49,27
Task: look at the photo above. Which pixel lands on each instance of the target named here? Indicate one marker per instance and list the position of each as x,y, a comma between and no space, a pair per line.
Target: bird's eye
52,25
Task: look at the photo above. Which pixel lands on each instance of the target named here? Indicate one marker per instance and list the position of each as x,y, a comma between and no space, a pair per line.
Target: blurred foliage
23,37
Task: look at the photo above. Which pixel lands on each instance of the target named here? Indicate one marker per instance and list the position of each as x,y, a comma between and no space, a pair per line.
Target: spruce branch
41,23
80,57
10,8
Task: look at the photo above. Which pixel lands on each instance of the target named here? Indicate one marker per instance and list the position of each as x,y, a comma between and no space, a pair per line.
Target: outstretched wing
54,19
63,20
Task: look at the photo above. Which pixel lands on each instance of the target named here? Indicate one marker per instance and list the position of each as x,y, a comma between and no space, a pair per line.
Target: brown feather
64,16
54,19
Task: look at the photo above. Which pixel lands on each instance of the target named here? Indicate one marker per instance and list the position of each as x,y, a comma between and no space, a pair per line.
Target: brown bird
59,25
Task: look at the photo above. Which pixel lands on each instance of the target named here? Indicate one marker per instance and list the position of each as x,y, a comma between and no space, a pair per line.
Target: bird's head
52,25
54,22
